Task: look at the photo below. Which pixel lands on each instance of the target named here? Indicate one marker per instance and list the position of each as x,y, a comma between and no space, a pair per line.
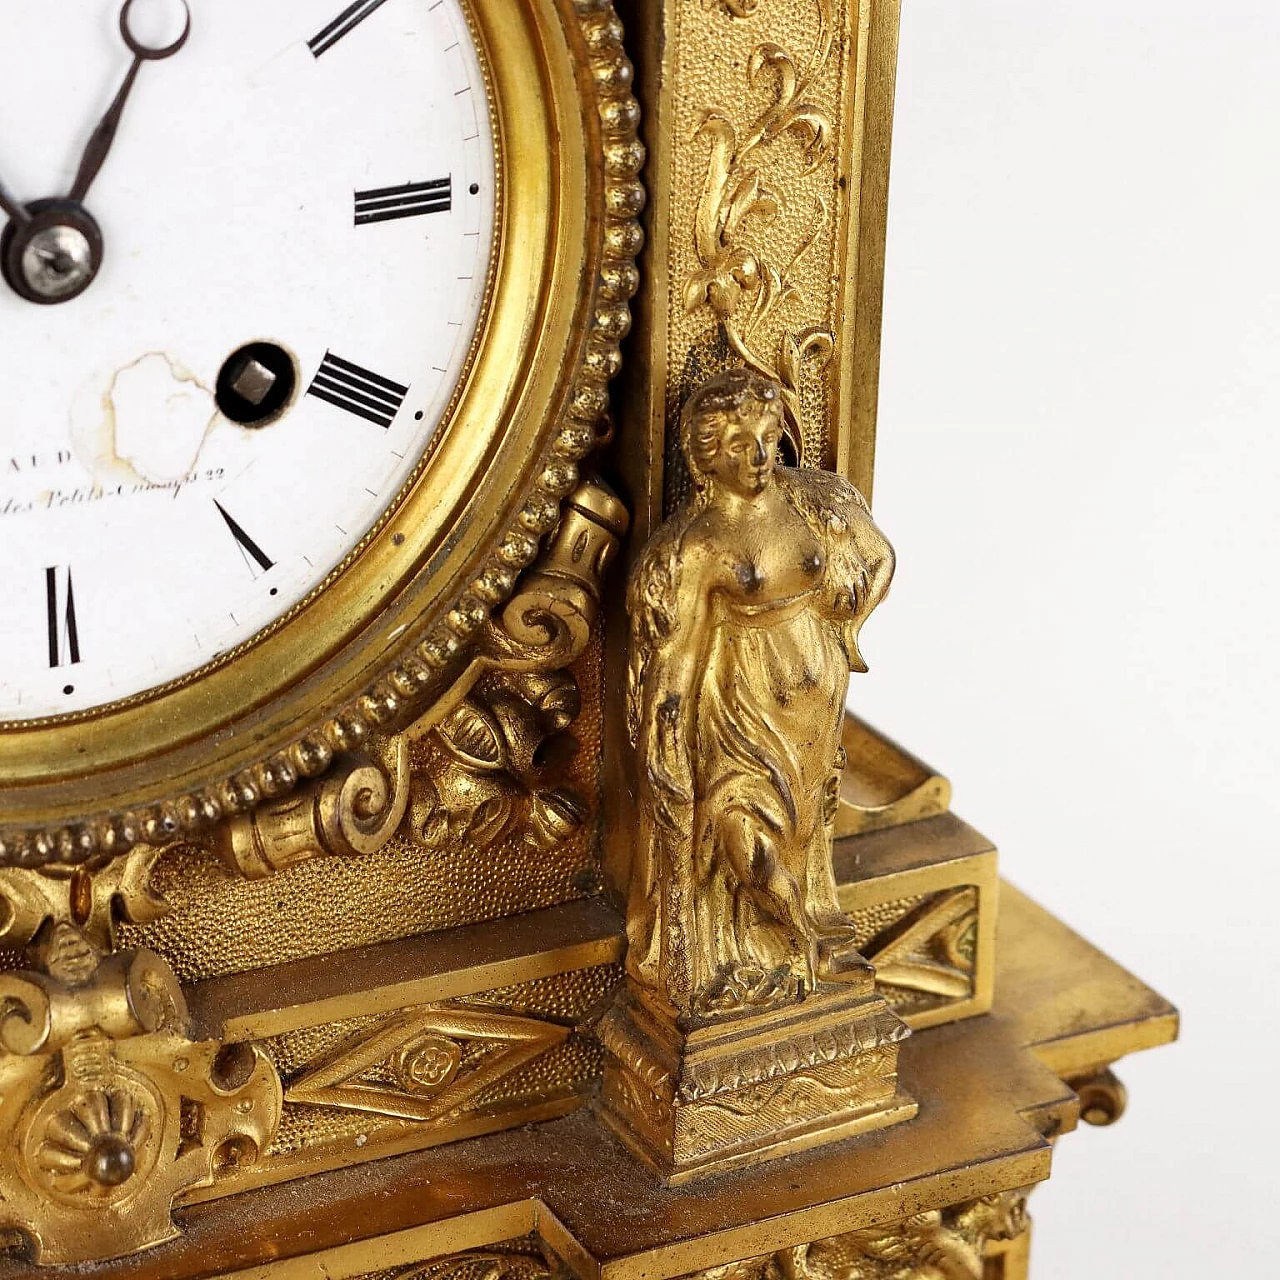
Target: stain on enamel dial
296,216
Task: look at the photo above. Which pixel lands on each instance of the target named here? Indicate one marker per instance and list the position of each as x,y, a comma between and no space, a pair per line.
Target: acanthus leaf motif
738,280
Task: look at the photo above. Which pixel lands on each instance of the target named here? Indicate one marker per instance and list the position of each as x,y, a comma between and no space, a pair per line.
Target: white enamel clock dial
296,214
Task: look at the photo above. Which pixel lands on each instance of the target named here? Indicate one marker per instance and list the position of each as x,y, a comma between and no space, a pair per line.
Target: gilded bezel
408,604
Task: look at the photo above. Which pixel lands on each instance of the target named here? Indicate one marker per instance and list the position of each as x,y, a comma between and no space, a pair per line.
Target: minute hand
99,145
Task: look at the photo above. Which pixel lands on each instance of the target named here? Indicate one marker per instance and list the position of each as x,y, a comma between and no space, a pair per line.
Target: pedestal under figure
745,611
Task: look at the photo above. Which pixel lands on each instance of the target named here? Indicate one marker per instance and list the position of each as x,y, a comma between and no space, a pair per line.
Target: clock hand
99,145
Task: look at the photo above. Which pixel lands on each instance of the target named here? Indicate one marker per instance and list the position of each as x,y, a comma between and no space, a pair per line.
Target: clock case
391,628
360,1008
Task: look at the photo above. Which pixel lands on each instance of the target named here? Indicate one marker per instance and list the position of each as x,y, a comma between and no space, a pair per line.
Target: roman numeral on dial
346,22
408,201
249,550
64,634
368,395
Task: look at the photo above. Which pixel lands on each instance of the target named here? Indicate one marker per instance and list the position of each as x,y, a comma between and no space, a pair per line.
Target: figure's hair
706,411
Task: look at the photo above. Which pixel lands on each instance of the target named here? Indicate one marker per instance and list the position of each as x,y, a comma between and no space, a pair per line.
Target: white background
1078,464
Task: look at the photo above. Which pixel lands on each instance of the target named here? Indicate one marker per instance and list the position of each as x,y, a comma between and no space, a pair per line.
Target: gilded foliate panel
965,1242
762,205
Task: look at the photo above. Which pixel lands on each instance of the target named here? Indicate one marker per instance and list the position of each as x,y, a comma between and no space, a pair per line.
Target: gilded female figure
745,610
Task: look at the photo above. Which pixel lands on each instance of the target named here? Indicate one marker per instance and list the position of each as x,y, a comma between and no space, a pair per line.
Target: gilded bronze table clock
434,515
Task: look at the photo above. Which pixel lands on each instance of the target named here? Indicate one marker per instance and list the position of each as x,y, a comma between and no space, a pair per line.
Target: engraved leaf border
101,838
743,286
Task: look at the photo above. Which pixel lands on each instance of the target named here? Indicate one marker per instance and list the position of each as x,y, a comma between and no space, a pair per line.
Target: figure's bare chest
771,555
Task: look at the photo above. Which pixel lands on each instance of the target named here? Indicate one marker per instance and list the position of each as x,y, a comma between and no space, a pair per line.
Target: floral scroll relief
747,282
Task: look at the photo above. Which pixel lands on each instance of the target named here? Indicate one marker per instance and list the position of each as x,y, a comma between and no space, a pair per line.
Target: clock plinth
950,1184
693,1101
480,917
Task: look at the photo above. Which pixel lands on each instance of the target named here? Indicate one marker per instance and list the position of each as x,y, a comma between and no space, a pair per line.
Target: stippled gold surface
563,1070
220,923
868,922
563,997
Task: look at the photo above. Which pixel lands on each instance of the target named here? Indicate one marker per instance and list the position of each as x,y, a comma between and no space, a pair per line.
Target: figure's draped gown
766,736
768,729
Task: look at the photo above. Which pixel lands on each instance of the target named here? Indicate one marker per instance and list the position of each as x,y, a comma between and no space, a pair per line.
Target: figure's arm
869,571
878,556
672,670
860,561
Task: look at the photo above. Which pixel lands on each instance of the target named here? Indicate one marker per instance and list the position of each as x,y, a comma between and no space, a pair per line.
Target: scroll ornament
487,753
110,1110
501,735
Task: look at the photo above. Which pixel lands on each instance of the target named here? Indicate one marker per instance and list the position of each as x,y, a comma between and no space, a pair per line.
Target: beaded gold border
99,838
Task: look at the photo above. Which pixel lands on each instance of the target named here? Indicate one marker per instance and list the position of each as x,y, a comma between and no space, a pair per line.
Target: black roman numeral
64,635
409,201
346,22
367,395
252,553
